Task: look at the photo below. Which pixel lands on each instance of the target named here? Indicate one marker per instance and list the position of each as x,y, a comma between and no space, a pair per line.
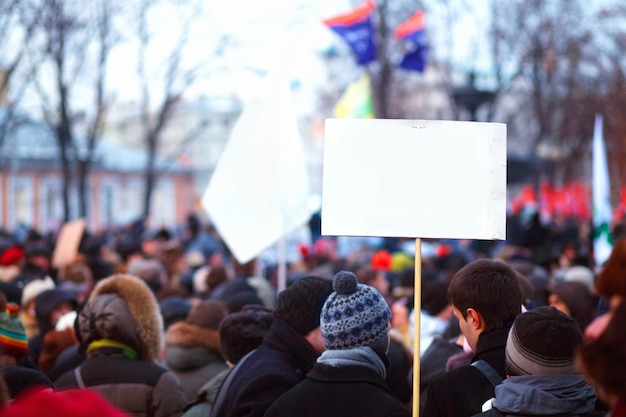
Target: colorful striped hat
13,340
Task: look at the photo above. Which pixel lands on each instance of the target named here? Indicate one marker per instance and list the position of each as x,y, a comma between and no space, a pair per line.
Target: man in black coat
348,379
486,297
288,351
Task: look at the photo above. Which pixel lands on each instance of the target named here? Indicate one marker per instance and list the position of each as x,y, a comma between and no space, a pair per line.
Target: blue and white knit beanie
354,315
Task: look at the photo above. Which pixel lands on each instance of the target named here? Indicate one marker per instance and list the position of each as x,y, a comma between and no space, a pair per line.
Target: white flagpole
601,191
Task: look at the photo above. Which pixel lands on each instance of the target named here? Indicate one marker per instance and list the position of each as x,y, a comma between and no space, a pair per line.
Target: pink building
31,183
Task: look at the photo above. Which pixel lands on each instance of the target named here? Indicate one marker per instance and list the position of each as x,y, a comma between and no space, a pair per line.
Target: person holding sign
486,297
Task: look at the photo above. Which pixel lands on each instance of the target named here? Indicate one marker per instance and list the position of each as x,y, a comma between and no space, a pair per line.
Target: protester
574,299
122,330
20,379
611,286
289,349
27,311
436,312
348,379
13,341
50,305
603,361
74,403
486,297
240,333
192,346
37,260
542,376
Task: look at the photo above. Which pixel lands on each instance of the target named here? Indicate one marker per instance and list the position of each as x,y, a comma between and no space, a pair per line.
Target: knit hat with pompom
354,315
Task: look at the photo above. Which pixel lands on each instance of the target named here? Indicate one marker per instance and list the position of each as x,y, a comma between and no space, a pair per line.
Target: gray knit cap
542,341
354,315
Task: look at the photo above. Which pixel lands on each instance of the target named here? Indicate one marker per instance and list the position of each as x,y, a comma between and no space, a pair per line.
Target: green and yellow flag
356,102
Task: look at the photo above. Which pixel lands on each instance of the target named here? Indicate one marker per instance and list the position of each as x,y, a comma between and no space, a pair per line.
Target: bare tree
156,107
69,29
105,37
555,54
19,21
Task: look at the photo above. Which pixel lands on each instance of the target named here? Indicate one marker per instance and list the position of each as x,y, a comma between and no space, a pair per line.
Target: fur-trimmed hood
189,335
124,309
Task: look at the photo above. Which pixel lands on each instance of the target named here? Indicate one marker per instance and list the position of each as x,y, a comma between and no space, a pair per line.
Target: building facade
31,183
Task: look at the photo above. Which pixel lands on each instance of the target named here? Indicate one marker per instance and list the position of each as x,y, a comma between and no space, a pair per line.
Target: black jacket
347,391
462,391
282,360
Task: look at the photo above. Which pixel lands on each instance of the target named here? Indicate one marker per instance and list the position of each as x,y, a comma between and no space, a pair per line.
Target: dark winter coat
544,395
462,391
346,391
193,354
282,360
123,310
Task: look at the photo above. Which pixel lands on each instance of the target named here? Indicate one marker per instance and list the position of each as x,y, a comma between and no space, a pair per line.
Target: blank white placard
414,178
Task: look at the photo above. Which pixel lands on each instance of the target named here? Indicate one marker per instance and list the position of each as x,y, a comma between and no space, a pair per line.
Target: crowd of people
167,323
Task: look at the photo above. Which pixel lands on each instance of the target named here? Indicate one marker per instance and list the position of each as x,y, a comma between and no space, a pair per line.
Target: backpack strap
488,372
221,393
79,378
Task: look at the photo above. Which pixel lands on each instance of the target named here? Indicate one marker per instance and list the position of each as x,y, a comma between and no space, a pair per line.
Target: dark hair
434,296
216,276
603,360
489,287
243,331
611,280
366,275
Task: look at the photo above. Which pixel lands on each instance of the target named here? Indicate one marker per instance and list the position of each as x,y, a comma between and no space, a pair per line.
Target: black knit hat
542,341
301,303
243,331
18,379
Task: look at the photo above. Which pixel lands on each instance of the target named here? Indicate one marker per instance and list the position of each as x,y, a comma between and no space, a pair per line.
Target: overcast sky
258,30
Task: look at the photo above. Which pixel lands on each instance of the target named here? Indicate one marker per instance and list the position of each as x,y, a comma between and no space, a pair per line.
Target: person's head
174,309
610,282
354,315
151,271
71,403
611,285
603,360
122,308
19,379
51,305
486,295
401,312
243,331
575,300
207,314
13,340
38,254
435,299
374,278
300,305
216,276
542,341
13,255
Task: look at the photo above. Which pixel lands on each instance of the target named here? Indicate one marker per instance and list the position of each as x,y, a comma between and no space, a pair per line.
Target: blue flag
413,35
355,27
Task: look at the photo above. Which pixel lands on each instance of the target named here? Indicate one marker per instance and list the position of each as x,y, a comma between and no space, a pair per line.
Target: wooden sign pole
417,308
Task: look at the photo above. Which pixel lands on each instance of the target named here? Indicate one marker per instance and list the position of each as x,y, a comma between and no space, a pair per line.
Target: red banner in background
570,200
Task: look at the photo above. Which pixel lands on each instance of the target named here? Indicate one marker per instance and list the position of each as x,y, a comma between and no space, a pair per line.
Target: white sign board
414,178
